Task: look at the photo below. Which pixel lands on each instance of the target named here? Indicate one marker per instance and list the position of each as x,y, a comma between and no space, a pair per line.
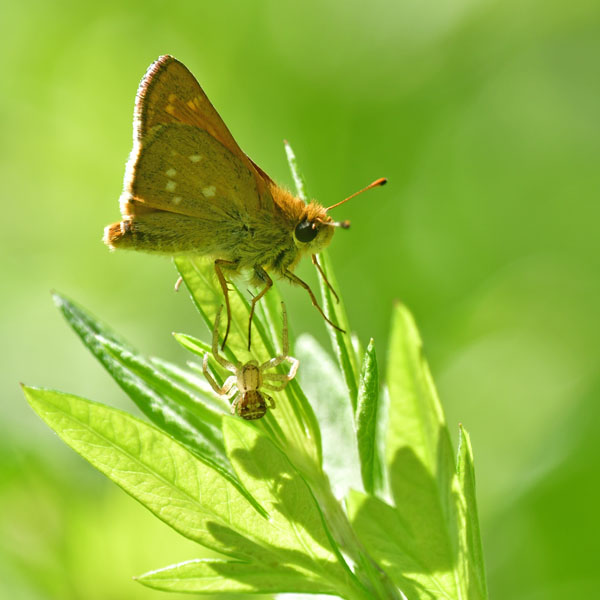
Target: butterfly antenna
342,224
346,224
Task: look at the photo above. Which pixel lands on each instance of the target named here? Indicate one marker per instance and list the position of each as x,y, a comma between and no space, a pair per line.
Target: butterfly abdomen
167,233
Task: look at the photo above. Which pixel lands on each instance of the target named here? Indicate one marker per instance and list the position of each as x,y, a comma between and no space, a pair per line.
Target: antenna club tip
381,181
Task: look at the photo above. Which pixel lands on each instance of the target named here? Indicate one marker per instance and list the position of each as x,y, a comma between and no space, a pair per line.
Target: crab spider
248,379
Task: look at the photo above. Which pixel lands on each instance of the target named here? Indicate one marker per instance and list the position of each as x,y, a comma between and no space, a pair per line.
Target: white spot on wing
171,172
209,191
171,185
195,158
176,199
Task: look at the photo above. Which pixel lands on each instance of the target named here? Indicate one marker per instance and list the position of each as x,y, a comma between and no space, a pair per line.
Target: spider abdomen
251,405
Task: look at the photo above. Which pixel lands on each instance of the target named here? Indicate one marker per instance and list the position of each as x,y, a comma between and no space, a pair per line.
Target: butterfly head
315,228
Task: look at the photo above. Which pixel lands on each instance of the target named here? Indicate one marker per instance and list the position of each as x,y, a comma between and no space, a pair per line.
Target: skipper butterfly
189,188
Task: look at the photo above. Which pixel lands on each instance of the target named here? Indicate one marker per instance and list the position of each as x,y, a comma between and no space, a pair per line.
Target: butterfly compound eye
306,231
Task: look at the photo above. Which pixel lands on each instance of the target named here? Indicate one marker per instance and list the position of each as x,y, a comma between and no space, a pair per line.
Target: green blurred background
485,118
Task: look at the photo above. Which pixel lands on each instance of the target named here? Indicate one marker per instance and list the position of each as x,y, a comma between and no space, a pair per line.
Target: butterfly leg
223,283
264,276
322,273
295,279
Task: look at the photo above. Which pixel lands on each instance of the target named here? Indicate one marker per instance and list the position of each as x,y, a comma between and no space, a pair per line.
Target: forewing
169,94
183,169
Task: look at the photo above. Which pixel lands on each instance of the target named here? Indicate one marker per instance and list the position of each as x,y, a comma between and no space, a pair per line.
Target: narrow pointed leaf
419,460
323,383
194,384
341,342
417,433
207,421
204,576
299,181
416,419
202,349
471,551
367,419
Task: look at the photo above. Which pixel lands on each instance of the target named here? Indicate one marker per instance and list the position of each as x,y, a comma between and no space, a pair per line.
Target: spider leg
271,401
294,362
215,344
227,387
282,378
275,388
273,362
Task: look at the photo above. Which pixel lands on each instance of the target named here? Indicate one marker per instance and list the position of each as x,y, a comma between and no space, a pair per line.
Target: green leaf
193,344
471,551
186,493
208,422
341,342
298,531
421,472
160,399
409,541
419,569
323,383
416,419
191,382
200,348
417,435
367,419
213,575
296,174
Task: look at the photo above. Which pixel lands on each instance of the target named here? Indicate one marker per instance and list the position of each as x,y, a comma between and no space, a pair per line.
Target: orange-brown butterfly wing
169,103
183,169
169,93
